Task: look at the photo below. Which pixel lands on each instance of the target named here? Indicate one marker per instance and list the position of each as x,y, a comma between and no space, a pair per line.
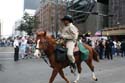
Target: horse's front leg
54,73
63,76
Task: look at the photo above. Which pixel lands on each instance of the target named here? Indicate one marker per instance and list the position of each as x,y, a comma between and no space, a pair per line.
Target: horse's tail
95,55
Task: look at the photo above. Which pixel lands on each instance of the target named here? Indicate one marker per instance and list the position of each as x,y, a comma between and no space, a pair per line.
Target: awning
98,33
114,32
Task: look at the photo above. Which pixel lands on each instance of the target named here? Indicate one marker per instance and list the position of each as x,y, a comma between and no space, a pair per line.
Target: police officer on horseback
70,34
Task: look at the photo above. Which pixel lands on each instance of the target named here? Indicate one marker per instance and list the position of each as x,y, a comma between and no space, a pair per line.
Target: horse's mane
51,40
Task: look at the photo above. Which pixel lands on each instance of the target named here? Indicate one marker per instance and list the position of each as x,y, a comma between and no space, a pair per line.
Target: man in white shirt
115,47
16,49
70,34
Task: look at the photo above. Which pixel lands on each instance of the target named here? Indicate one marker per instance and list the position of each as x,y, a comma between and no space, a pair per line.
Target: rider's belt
37,48
70,40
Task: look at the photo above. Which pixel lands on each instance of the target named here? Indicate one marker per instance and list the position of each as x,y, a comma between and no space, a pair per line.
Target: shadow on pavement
1,67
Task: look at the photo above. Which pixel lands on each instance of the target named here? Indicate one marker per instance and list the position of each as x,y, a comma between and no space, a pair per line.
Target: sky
10,11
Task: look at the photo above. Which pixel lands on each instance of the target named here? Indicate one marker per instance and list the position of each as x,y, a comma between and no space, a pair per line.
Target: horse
47,44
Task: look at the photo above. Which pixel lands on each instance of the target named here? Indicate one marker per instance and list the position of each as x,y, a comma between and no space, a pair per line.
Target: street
37,71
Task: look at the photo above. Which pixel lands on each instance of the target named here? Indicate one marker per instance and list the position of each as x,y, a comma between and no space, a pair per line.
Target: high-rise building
49,14
31,4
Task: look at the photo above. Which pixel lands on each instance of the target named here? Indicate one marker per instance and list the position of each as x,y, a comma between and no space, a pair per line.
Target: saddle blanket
61,52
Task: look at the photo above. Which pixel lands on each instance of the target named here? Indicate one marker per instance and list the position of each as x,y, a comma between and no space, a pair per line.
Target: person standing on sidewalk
108,50
16,49
123,48
101,49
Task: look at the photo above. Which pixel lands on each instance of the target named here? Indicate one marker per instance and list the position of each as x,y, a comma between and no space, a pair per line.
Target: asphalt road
36,71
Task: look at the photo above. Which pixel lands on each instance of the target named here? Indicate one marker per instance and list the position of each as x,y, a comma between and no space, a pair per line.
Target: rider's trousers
70,46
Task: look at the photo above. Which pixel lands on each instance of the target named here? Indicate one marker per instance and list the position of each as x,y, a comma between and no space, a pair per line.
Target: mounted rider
70,34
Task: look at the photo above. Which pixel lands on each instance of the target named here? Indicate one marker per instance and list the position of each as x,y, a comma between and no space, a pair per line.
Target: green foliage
28,23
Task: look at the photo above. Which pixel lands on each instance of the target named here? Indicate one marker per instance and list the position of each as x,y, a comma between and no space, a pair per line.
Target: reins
44,58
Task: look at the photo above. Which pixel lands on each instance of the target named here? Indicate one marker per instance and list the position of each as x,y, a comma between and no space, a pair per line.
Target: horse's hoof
75,82
96,79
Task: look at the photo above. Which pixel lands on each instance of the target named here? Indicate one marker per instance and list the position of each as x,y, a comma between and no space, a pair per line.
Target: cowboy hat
67,17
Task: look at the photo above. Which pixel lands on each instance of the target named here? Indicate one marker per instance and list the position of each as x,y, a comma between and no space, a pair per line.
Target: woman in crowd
23,46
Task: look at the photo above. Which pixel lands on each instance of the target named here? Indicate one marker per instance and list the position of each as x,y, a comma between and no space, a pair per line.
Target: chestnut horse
47,45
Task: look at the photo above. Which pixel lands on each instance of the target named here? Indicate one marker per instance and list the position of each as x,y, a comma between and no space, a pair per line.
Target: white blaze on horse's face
37,51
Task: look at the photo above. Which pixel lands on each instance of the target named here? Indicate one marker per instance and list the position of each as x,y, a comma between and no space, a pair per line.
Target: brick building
49,15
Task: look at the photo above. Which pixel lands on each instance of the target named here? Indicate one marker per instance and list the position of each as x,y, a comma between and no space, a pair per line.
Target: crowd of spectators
26,47
6,42
25,44
108,48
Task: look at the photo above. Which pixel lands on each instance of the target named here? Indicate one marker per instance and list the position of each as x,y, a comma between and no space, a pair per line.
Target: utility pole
57,26
67,4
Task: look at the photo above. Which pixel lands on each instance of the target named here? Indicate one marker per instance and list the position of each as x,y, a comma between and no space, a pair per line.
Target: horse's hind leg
54,73
79,72
63,76
91,66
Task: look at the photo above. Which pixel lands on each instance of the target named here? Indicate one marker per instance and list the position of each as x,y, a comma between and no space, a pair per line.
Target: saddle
79,49
60,53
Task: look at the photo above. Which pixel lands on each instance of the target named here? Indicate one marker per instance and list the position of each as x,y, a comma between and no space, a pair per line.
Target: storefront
116,33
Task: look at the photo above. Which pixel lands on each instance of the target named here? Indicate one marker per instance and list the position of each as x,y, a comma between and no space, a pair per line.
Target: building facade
109,20
87,22
30,6
49,15
117,8
116,26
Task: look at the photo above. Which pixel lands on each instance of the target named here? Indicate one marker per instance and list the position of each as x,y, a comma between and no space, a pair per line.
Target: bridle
42,51
44,42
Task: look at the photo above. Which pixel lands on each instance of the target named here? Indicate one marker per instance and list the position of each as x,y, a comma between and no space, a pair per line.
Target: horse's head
41,43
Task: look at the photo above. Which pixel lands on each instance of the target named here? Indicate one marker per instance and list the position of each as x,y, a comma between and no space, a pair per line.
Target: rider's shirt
70,32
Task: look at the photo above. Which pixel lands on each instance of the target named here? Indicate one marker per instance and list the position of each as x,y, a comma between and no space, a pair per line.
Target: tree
28,23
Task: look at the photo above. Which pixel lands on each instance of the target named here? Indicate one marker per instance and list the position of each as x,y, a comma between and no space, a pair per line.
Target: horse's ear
45,33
